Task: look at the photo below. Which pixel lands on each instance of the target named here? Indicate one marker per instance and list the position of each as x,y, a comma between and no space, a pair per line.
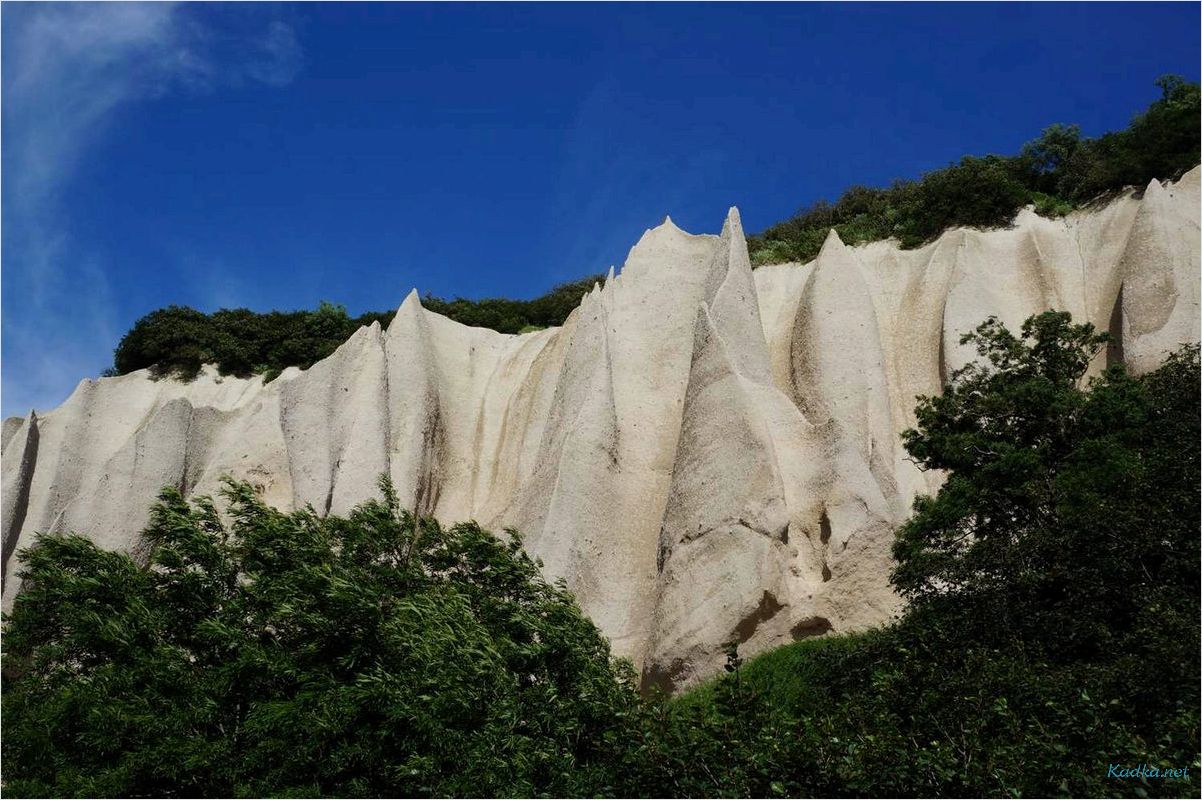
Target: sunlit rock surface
704,453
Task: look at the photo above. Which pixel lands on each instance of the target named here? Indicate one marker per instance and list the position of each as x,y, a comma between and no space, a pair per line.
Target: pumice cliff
703,452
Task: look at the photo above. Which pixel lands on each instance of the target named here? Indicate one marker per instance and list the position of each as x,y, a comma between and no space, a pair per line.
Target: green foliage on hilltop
517,316
1056,172
178,340
293,655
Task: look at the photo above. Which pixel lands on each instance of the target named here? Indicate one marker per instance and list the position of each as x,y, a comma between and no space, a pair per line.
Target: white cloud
69,67
68,71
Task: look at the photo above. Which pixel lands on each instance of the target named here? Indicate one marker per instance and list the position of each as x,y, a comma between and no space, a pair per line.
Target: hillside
1049,646
744,423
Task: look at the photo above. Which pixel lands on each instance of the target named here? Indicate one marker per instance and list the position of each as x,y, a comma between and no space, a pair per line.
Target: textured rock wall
704,453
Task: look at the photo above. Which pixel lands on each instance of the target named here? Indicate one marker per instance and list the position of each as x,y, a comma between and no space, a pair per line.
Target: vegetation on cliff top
1057,172
178,340
1052,632
295,655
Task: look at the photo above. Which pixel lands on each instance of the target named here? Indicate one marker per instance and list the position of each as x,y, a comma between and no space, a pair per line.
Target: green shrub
1056,172
293,655
1053,625
1050,206
178,340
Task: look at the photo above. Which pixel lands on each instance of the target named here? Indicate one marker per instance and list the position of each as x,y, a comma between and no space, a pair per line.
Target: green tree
1056,172
178,340
175,339
293,654
1053,617
1069,506
1046,156
1064,541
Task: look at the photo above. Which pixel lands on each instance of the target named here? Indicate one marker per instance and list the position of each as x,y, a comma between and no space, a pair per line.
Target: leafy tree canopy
288,654
1053,619
1052,631
1069,509
178,340
1056,173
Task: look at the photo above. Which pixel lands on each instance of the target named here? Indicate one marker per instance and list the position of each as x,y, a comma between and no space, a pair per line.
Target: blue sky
272,156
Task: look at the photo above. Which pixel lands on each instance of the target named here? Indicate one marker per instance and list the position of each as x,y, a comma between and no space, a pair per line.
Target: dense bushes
517,316
287,654
1056,173
1052,631
1053,625
178,340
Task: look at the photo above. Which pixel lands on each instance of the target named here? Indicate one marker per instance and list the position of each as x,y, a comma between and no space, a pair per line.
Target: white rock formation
703,452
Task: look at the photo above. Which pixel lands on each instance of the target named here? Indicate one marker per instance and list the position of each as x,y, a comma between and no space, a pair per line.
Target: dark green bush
1160,143
1053,625
292,655
178,340
1056,172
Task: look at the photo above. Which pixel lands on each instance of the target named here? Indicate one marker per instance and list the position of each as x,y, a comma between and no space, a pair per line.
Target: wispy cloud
69,71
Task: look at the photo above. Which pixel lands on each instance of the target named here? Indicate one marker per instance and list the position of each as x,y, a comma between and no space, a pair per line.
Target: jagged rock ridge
704,453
